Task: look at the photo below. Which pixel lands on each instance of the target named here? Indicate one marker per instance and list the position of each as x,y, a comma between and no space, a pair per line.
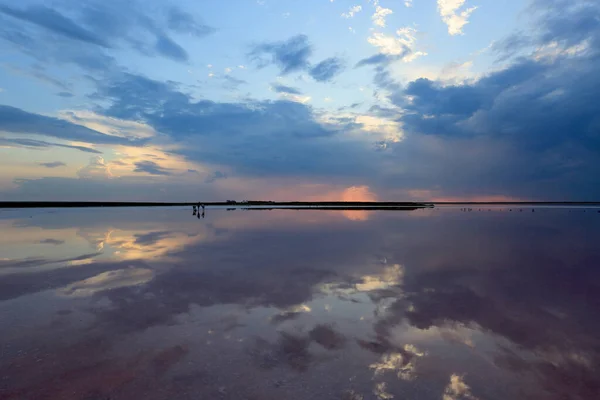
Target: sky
181,100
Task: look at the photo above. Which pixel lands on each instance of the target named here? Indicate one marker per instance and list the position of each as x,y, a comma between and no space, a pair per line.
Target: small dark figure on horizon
195,210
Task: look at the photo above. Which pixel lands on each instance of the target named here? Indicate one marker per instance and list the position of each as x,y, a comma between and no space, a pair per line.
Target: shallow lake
438,303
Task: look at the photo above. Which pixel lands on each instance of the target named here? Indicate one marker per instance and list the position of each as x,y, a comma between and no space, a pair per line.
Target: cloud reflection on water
265,305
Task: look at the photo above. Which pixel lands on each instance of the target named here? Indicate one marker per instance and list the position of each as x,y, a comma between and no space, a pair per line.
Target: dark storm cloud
54,21
536,120
54,164
285,89
150,167
40,144
327,69
15,120
290,55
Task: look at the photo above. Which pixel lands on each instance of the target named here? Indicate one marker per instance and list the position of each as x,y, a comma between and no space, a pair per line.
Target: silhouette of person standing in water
197,210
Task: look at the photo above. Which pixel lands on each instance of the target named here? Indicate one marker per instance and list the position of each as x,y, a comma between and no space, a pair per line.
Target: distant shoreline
278,204
230,204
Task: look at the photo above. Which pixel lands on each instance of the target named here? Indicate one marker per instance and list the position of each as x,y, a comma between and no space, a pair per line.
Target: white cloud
380,15
387,130
353,10
552,50
96,169
408,3
404,43
450,11
298,98
351,29
209,66
453,73
107,125
241,66
457,73
228,70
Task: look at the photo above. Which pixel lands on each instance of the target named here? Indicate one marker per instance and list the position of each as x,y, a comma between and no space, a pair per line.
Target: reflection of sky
155,303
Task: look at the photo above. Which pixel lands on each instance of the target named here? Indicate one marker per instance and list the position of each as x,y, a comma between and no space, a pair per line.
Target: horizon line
230,203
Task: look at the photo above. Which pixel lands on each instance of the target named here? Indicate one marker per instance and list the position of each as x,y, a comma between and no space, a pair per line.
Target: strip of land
229,204
299,205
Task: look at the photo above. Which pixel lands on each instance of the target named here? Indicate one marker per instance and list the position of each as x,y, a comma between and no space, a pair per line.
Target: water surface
425,304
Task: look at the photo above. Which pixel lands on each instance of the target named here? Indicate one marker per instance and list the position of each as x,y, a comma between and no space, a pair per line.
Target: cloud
453,16
182,22
352,11
327,69
279,137
232,82
96,169
215,176
457,389
38,73
54,164
105,25
377,59
40,144
150,167
285,89
65,94
290,55
54,21
168,48
393,48
532,123
15,120
380,15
